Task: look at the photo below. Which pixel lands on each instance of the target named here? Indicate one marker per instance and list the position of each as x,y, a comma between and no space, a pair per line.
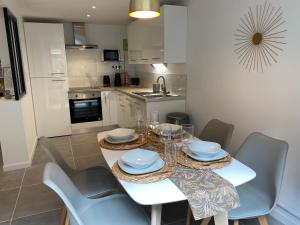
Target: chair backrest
217,131
56,179
267,157
54,154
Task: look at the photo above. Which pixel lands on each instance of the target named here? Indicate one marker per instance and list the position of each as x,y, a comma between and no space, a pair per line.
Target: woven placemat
156,176
125,146
187,161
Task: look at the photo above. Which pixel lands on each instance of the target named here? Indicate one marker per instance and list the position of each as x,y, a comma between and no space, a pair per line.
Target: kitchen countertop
129,91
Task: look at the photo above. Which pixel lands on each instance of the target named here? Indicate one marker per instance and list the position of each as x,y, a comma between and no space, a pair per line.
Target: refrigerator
48,77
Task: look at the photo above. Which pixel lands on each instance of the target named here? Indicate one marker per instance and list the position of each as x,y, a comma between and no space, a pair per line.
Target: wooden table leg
156,214
221,219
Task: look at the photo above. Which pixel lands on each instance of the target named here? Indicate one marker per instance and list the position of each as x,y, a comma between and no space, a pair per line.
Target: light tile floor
24,200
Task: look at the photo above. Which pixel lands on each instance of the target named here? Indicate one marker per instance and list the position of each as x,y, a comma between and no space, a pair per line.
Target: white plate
154,167
140,158
221,155
122,141
120,133
204,147
175,129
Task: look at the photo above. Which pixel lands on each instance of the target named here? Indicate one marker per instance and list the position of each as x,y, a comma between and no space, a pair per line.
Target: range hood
80,41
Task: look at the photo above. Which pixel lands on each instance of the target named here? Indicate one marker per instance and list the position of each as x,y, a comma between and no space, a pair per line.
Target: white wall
85,67
23,122
218,87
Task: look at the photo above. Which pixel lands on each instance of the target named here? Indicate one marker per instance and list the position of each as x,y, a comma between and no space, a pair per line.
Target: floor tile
63,145
48,218
7,203
5,223
36,199
89,161
85,145
11,179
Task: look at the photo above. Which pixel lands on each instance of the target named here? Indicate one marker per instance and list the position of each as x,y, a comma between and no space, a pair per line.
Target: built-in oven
85,106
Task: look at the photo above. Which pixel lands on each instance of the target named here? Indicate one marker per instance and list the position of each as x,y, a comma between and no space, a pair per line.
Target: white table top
166,191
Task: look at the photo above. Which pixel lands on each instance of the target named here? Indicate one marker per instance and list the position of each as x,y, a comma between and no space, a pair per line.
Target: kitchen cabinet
159,40
51,106
49,80
109,108
46,54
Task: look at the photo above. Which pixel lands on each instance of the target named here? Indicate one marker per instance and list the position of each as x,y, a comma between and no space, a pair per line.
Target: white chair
110,210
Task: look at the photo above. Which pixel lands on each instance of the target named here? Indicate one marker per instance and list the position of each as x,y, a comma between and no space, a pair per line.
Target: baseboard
22,165
33,150
285,216
16,166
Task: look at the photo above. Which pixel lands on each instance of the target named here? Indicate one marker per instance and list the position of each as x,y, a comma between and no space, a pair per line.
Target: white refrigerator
48,76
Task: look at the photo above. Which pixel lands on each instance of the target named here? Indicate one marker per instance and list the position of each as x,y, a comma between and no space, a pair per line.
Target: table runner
208,194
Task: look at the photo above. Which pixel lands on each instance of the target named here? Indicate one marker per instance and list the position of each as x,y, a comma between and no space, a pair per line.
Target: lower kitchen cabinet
109,101
122,110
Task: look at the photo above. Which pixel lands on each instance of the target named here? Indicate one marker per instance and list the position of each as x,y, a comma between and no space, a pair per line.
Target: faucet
164,88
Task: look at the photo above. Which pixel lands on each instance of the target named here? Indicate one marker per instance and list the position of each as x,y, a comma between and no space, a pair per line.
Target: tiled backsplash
85,68
175,75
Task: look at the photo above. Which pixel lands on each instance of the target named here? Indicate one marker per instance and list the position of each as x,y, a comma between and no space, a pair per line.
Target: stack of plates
174,129
140,161
121,135
205,151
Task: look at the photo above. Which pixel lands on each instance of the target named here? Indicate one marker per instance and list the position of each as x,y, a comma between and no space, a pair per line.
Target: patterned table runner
208,194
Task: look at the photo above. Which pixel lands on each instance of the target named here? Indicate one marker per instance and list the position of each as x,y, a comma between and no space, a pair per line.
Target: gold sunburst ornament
260,37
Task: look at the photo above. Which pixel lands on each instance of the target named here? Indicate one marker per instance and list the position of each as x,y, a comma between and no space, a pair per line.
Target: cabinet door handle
57,80
145,59
155,58
56,73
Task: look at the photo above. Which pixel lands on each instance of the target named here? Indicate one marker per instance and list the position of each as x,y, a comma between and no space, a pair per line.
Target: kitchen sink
154,95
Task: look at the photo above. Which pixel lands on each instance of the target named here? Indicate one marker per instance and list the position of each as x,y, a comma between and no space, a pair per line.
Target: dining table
158,193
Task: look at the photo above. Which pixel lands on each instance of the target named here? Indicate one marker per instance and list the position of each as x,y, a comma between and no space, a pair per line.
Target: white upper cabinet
159,40
46,49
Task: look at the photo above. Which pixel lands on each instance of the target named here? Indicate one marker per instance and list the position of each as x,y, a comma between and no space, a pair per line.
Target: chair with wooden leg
110,210
94,182
216,131
267,157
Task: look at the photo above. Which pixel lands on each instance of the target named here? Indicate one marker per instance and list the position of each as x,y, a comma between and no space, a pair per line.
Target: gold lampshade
144,9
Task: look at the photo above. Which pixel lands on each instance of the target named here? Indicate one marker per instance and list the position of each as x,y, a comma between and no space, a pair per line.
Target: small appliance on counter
106,81
135,81
118,80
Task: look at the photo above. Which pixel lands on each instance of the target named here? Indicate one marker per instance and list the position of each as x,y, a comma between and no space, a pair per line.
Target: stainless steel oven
85,106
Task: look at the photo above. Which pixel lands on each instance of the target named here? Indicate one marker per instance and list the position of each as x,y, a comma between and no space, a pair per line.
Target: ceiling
107,11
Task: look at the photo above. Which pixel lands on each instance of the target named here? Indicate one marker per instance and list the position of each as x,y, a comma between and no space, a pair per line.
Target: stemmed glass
187,136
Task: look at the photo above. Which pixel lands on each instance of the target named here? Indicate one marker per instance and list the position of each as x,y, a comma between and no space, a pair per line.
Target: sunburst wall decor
259,37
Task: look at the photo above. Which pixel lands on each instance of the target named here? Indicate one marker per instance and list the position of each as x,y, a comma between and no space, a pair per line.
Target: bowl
204,147
120,133
140,158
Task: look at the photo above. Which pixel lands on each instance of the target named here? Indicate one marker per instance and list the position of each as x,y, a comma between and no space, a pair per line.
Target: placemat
187,161
125,146
156,176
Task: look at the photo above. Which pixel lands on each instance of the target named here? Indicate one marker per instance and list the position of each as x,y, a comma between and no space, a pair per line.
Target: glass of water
187,136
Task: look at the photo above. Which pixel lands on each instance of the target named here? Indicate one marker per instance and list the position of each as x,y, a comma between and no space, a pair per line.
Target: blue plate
154,167
139,158
220,155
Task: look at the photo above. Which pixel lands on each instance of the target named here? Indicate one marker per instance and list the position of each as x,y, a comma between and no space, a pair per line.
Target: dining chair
110,210
267,157
218,131
94,182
